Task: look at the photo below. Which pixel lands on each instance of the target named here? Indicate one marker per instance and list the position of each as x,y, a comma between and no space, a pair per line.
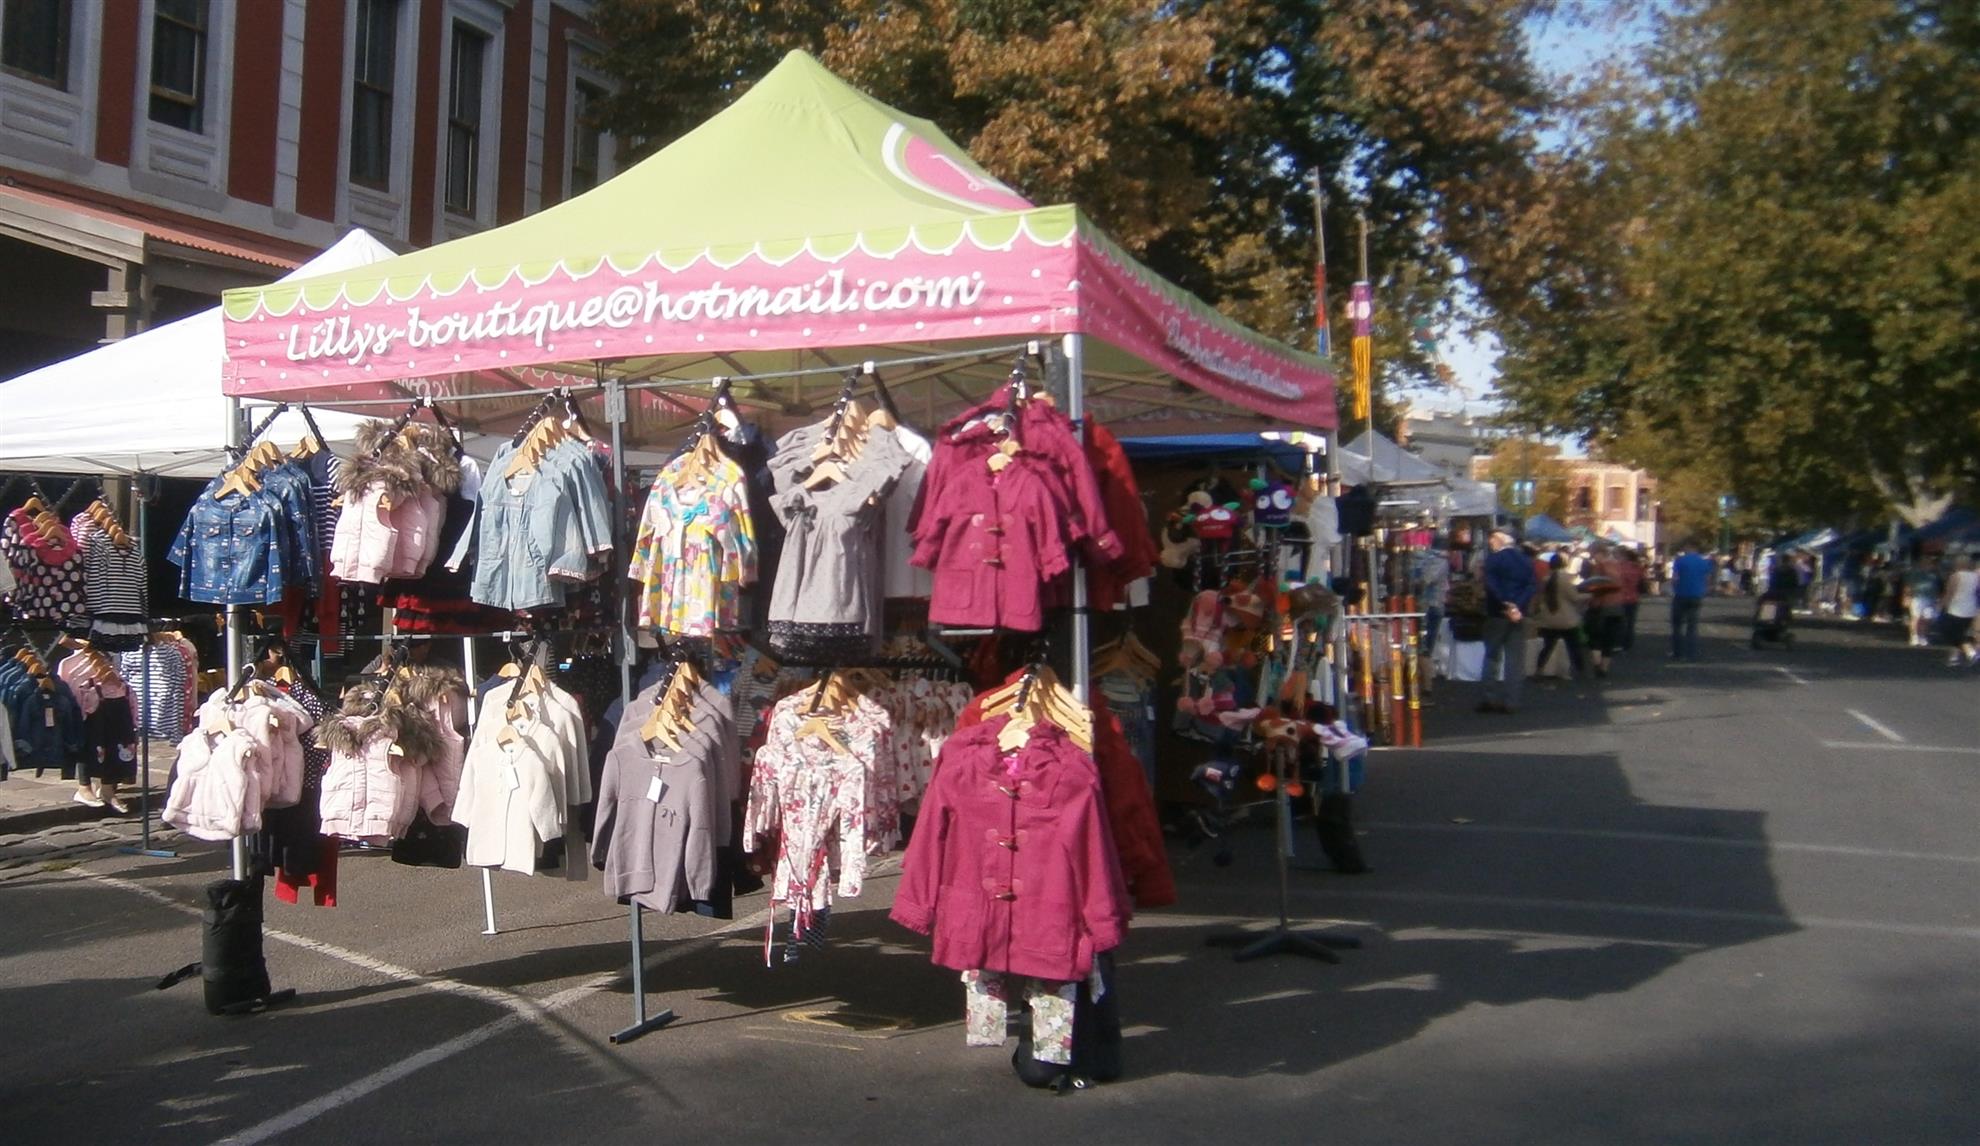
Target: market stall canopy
1544,530
1469,498
150,403
805,225
1391,464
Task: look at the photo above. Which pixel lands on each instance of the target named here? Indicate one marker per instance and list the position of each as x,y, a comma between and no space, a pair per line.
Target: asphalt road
1732,901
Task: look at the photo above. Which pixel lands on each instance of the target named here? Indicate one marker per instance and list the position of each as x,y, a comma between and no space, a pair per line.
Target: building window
1643,505
1584,500
178,64
374,64
464,121
1618,507
589,137
34,40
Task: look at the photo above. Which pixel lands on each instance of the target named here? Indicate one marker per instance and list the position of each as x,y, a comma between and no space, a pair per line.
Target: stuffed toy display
1271,503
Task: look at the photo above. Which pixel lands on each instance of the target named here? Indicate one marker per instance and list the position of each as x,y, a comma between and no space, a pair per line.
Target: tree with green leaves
1186,128
1761,274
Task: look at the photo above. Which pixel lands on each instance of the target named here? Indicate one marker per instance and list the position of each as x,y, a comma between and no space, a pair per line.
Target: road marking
1790,674
522,1006
1708,914
522,1009
1881,746
1685,840
1876,726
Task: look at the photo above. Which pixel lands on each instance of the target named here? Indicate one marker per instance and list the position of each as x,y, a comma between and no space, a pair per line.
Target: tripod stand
1282,939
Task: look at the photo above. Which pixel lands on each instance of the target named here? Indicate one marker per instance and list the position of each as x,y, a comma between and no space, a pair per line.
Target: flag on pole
1361,308
1323,335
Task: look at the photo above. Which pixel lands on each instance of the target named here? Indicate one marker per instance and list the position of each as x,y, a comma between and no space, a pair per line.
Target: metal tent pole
144,847
615,414
236,654
1082,633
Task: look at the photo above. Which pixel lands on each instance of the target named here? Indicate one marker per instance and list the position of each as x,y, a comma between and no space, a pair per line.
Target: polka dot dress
48,570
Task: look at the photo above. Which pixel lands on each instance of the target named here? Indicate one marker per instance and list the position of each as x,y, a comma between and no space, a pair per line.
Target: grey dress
826,600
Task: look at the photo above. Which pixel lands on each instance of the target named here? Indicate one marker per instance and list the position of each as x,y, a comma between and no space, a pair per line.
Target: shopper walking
1691,580
1629,594
1558,615
1958,606
1922,587
1509,590
1432,574
1601,579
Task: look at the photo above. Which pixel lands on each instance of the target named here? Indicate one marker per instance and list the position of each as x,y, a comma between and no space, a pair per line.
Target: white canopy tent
151,403
1375,457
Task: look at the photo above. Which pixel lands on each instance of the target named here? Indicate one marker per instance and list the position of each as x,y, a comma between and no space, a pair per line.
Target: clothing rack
1071,352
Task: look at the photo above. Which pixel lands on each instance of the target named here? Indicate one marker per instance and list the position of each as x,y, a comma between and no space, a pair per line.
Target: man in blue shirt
1691,579
1509,588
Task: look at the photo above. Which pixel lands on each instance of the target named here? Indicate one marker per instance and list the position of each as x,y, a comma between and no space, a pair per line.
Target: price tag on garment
48,718
512,777
656,789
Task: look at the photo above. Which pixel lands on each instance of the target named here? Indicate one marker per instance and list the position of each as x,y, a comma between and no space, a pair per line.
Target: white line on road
1710,914
1790,674
1680,839
1876,726
1880,746
522,1009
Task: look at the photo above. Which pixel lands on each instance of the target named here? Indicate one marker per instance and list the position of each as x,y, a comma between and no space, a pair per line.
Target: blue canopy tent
1287,451
1546,531
1955,523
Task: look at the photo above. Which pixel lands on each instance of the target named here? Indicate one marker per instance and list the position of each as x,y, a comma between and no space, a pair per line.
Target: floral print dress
827,811
695,551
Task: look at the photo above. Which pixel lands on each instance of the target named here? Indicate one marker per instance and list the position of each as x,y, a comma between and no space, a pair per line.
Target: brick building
156,152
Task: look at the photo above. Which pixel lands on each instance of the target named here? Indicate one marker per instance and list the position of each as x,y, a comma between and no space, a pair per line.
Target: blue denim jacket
231,551
291,486
549,521
38,742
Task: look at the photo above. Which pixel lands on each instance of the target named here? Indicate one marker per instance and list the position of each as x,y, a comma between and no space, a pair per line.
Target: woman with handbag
1557,614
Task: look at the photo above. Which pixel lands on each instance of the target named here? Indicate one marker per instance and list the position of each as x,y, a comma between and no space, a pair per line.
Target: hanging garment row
168,664
1011,496
252,536
88,566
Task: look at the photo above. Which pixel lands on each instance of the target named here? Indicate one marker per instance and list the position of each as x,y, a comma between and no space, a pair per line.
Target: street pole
1323,329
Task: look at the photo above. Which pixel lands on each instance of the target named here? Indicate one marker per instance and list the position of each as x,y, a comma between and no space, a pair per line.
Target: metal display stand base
1282,940
642,1023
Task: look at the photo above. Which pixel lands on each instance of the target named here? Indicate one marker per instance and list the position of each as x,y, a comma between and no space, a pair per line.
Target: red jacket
1011,867
1131,817
1107,582
961,449
993,540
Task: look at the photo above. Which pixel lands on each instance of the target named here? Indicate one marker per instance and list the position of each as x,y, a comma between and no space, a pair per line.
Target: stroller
1770,622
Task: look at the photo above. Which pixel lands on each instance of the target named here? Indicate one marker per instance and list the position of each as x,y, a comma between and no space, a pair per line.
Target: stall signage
354,340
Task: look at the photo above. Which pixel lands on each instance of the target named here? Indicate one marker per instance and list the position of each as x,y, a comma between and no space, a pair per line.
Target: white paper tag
511,777
48,718
656,789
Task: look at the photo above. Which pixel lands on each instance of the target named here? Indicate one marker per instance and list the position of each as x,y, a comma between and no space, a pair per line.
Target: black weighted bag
231,964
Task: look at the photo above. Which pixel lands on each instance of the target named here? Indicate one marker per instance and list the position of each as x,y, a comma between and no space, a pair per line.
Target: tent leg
236,652
144,847
1082,633
615,414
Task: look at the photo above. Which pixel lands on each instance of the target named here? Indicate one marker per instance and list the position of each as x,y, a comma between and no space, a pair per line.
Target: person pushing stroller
1776,605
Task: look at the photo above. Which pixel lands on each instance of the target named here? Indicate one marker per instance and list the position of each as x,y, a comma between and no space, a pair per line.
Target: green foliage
1186,128
1762,272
